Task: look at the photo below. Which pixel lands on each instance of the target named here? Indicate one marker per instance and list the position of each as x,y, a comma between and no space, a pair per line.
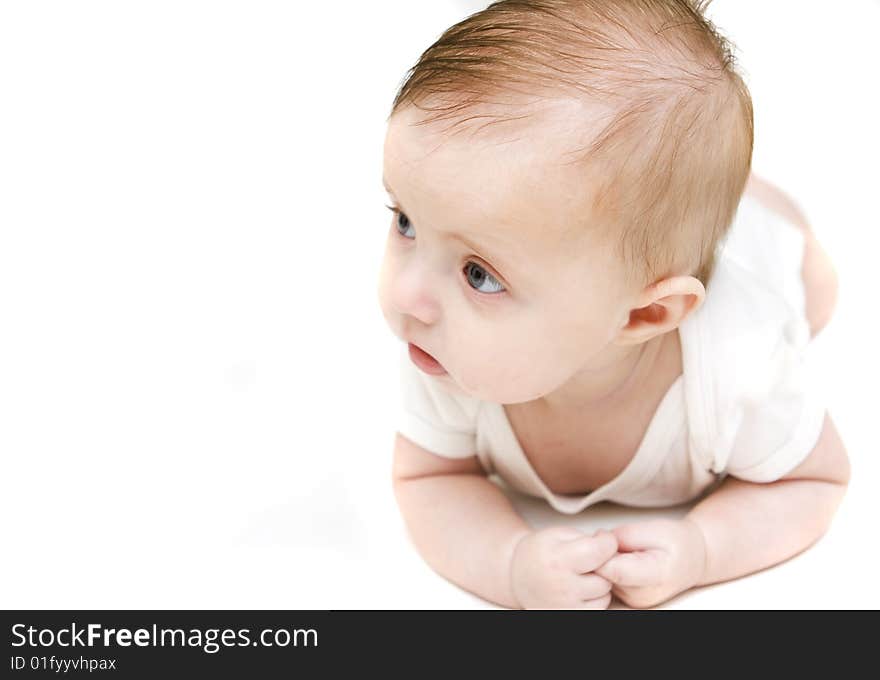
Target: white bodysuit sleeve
775,424
433,417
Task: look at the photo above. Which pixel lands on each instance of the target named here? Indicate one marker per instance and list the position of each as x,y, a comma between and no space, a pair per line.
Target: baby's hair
667,170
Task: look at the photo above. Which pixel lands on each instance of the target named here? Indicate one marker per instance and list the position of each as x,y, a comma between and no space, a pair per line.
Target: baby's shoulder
744,314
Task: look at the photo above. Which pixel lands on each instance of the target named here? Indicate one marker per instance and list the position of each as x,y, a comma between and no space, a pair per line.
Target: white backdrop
197,387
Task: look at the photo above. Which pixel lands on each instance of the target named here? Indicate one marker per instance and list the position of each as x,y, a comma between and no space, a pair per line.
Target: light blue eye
402,222
477,276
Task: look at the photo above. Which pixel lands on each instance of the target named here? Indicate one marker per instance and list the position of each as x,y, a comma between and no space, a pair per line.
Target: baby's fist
550,569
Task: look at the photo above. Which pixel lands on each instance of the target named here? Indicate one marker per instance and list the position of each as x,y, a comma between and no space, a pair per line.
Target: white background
197,387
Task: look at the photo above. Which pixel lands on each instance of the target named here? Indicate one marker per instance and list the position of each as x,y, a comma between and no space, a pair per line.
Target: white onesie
746,403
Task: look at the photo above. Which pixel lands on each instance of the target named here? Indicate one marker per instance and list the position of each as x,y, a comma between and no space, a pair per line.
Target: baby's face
478,270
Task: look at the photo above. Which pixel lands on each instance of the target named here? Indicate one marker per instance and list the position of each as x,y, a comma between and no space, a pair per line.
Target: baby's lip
425,361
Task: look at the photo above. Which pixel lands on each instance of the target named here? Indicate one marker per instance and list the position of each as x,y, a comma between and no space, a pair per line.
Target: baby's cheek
481,377
533,377
510,378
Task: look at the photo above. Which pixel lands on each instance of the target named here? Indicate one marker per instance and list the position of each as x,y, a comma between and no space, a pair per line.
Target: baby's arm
740,528
466,529
462,524
748,527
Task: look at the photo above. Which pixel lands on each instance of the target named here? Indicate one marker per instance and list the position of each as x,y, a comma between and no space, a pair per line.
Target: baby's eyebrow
505,264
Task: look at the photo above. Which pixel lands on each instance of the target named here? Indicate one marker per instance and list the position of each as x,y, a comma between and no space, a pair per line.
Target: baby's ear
662,307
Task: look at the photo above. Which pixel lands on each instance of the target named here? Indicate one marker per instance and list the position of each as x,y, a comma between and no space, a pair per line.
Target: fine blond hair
668,169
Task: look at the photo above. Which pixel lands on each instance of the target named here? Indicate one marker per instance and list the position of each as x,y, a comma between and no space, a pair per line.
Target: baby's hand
550,569
658,559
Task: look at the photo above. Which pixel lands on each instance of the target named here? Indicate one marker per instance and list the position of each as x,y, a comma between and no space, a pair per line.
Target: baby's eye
402,221
477,276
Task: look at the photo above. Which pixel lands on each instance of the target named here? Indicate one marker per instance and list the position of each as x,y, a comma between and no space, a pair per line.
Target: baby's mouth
425,361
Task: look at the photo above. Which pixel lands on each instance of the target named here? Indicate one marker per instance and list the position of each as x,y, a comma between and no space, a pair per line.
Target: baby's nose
414,293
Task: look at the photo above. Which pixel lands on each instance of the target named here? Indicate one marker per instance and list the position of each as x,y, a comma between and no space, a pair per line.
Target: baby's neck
629,378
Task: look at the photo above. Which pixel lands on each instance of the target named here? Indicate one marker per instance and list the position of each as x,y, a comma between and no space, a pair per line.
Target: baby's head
569,167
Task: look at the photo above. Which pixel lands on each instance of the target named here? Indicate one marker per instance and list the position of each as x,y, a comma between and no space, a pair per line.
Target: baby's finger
586,553
599,603
591,586
639,568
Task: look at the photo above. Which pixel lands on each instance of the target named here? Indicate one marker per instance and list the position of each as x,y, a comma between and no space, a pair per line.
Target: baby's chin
450,385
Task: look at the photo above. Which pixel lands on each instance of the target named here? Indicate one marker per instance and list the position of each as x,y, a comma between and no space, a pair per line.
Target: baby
596,302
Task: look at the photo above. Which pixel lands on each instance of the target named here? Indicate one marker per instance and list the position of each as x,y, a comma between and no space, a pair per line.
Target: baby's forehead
517,185
543,138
